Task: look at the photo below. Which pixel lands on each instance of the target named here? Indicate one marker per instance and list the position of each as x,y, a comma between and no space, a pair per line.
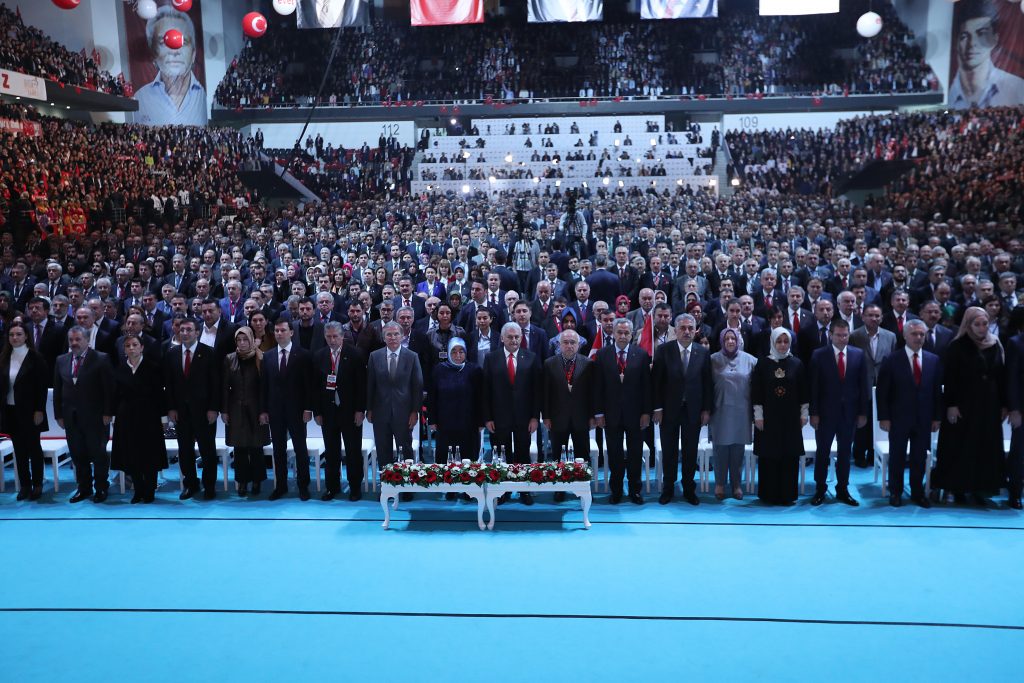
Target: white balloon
869,25
146,9
285,7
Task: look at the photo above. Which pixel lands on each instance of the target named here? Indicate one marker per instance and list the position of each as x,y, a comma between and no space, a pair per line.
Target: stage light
622,183
654,142
508,158
453,122
536,180
465,189
492,179
735,182
604,180
616,142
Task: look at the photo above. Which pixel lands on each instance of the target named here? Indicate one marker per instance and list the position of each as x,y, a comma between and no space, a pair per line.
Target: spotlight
735,182
604,181
558,183
453,121
654,141
465,189
622,184
616,142
536,180
508,158
491,179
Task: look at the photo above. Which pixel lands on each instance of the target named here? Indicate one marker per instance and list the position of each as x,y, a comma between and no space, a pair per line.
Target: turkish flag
445,12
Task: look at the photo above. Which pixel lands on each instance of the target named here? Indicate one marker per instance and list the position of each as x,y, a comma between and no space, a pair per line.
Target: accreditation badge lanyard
570,370
332,379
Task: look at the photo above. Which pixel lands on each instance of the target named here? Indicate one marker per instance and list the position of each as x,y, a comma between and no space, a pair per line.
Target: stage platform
235,589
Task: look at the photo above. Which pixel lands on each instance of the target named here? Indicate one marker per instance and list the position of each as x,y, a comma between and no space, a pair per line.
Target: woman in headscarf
437,339
704,332
568,322
970,456
453,405
781,401
622,306
730,416
241,405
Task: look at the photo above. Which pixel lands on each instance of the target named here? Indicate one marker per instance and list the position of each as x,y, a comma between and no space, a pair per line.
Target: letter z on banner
21,85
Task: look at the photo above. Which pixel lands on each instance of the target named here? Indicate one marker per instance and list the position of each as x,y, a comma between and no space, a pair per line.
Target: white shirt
845,351
287,352
1001,88
515,361
191,350
134,368
209,335
92,335
910,357
157,108
17,359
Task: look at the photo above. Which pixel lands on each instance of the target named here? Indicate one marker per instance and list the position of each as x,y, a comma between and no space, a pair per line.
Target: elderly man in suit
682,401
909,399
568,395
394,395
286,404
840,404
83,403
622,407
877,343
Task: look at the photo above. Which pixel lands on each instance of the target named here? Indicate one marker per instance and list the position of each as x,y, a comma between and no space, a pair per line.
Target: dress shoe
277,494
895,500
1014,503
526,498
921,501
845,497
187,493
328,495
959,498
100,496
691,498
80,496
636,499
559,496
256,488
149,498
405,497
303,493
980,499
818,499
355,494
450,495
23,493
615,498
209,494
720,492
504,498
243,490
737,493
137,498
665,498
36,494
860,462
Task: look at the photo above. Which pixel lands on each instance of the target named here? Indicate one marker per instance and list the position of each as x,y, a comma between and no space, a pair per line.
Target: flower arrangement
408,473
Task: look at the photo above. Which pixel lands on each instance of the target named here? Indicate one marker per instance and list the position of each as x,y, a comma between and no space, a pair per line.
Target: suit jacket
88,399
537,342
605,286
473,342
30,389
286,395
418,304
224,342
438,290
889,323
51,345
511,407
537,313
884,346
239,315
568,410
657,282
628,285
809,340
587,327
200,391
392,400
622,401
839,403
778,299
150,348
1015,373
909,406
681,396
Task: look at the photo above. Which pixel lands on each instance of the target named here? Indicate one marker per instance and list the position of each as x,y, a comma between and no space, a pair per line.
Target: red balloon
254,24
182,5
173,39
67,4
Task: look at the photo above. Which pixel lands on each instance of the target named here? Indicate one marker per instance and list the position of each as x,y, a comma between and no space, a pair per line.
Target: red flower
537,475
431,477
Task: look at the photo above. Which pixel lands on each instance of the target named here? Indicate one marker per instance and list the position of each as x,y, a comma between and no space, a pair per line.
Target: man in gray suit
83,403
877,343
394,394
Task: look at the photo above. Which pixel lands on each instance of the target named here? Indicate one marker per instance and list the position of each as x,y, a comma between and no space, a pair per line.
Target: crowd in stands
965,163
28,50
737,54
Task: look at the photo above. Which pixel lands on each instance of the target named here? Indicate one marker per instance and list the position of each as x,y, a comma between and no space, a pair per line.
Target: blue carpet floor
259,591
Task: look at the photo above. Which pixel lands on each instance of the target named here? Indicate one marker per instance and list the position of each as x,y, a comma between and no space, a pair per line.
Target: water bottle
450,455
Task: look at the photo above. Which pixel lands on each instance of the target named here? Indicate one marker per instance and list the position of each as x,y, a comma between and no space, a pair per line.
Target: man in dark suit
682,402
627,276
286,404
96,337
512,396
133,328
583,309
909,396
1015,405
937,337
192,380
898,315
606,285
339,384
48,337
768,296
83,404
840,404
216,332
534,338
407,297
815,336
394,395
568,395
622,407
541,308
309,334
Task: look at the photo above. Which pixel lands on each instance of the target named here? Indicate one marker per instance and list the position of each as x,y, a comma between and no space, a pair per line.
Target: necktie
494,299
917,371
544,307
899,324
392,363
526,339
53,290
583,312
686,359
796,322
74,366
38,335
188,362
768,301
822,335
284,360
408,304
622,362
511,370
622,273
842,366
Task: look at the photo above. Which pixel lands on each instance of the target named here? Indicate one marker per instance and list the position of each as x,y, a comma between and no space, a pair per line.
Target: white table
390,491
580,489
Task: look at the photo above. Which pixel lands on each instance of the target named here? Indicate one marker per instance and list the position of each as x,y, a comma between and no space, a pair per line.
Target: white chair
56,450
7,460
809,450
315,447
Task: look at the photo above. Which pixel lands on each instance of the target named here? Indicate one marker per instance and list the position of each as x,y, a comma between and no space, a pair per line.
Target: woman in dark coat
780,397
453,401
243,431
138,447
437,340
23,413
970,456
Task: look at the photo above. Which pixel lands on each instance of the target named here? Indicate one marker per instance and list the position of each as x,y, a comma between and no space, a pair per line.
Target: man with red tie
840,395
909,396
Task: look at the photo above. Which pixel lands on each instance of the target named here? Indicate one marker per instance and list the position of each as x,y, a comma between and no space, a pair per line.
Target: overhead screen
678,9
793,7
332,13
546,11
446,12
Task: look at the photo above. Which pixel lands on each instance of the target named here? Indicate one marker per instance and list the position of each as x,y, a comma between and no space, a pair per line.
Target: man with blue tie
840,394
909,396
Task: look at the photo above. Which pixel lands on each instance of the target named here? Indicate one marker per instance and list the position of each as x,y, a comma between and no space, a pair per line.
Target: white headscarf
772,351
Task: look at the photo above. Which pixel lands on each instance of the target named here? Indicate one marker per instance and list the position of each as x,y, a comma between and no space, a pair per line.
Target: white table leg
387,510
491,498
585,500
479,496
